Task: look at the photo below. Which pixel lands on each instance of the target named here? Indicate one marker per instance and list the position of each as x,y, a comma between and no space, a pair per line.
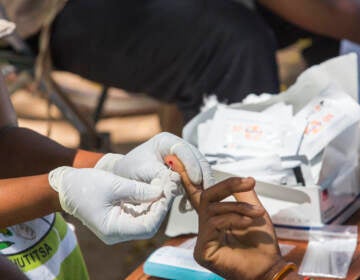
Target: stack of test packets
301,146
274,145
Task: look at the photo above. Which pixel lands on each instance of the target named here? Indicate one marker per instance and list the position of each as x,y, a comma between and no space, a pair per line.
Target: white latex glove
99,199
145,162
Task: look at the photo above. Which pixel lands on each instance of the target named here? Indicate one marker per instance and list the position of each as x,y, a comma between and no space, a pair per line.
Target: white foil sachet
326,115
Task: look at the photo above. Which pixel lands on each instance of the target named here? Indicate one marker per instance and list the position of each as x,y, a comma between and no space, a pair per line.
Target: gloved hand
145,162
99,198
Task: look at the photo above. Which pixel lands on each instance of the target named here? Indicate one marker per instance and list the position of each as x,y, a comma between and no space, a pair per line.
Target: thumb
136,192
189,160
170,188
56,176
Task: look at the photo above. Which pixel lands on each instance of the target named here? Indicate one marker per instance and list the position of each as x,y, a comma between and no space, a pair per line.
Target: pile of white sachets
270,145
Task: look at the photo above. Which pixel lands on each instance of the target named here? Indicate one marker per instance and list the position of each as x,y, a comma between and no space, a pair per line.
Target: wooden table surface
295,255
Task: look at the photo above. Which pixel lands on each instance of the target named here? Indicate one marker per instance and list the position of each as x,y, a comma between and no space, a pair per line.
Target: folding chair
21,59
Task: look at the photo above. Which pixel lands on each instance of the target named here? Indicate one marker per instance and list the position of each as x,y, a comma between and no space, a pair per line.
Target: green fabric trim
60,225
73,267
39,254
44,250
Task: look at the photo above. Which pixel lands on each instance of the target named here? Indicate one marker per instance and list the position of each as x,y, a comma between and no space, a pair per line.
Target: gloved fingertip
171,190
190,161
170,184
208,177
108,162
55,177
155,192
175,177
176,146
145,193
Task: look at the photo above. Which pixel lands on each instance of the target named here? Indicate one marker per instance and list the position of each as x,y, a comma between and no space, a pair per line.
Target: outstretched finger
241,208
193,191
231,186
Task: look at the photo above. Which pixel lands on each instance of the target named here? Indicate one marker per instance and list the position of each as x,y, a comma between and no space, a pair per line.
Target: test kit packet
329,252
296,209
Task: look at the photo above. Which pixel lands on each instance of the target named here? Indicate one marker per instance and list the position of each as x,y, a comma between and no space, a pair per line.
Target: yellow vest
44,248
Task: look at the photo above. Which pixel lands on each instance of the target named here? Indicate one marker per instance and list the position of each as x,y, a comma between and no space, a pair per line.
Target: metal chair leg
100,106
89,138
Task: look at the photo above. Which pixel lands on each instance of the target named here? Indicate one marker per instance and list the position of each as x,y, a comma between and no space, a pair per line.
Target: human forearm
24,152
85,159
27,198
335,18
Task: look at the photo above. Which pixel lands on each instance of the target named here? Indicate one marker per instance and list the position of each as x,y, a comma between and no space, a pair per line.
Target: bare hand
236,239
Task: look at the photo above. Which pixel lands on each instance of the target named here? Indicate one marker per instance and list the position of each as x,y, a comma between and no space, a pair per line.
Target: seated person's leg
175,51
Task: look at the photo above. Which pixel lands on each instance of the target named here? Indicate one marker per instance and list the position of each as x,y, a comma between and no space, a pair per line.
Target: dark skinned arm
24,152
334,18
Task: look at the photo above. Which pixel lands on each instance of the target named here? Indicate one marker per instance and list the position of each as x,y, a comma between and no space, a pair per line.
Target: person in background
181,51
